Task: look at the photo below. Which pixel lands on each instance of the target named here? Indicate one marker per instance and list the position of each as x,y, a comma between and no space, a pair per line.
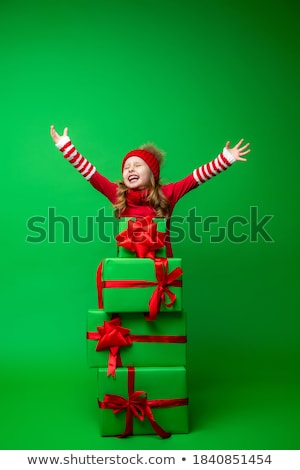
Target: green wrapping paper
140,354
123,225
134,299
159,384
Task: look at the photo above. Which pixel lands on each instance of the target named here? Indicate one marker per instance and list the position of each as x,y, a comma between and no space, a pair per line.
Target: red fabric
84,167
67,144
205,171
69,152
215,167
139,406
158,339
173,191
224,161
136,197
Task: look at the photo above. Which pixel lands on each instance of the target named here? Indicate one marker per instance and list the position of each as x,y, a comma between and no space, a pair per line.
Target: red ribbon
142,237
164,280
138,405
113,336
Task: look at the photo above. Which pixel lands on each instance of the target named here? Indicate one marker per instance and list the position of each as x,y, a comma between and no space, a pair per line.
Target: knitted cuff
228,155
213,168
62,141
82,165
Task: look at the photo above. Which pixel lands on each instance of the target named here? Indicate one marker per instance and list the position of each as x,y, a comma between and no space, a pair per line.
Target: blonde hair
156,197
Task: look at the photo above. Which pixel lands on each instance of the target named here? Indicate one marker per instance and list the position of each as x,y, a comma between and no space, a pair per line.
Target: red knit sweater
173,191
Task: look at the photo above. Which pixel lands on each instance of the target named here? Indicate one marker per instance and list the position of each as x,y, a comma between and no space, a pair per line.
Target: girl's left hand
237,151
55,136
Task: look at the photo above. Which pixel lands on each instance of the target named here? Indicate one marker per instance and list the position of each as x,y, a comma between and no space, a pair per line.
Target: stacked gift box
137,337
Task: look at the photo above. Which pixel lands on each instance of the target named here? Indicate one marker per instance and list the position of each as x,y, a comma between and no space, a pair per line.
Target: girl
140,193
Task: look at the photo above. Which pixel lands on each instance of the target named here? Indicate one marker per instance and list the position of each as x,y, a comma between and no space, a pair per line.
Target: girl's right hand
55,136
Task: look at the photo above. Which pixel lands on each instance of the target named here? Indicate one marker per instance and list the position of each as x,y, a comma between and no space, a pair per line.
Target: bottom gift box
143,400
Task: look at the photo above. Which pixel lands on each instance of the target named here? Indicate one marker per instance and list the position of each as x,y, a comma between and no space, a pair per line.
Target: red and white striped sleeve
213,168
82,165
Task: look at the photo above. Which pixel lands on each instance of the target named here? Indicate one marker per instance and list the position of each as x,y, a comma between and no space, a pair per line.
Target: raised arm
82,165
175,191
222,162
64,144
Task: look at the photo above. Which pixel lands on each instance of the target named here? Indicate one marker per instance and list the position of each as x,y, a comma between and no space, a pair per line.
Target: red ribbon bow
142,237
164,281
139,406
111,336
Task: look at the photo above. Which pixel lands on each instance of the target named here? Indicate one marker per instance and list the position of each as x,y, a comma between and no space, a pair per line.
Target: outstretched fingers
239,150
244,147
238,144
245,153
244,150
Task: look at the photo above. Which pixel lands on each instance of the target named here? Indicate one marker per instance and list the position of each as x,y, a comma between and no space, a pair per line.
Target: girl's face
136,173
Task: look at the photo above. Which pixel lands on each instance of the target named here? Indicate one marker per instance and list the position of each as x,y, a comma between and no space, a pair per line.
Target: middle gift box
125,340
140,285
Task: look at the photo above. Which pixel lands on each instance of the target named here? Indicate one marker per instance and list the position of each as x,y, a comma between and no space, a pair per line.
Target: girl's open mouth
133,178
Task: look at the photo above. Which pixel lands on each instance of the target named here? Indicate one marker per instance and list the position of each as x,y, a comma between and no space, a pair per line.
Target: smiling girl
140,192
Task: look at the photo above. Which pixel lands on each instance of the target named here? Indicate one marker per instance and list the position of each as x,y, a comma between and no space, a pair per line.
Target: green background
187,75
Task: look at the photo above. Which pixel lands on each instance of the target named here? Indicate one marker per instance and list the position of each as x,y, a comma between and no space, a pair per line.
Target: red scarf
136,197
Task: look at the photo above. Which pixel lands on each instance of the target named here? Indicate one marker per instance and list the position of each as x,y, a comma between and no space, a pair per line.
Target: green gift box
123,252
140,285
129,340
143,400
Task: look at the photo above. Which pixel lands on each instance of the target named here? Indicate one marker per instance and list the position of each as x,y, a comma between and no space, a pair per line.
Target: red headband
148,158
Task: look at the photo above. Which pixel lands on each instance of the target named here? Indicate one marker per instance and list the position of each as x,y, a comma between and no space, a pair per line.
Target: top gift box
141,237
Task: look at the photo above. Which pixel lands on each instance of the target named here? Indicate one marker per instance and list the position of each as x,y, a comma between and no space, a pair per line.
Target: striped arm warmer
82,165
213,168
